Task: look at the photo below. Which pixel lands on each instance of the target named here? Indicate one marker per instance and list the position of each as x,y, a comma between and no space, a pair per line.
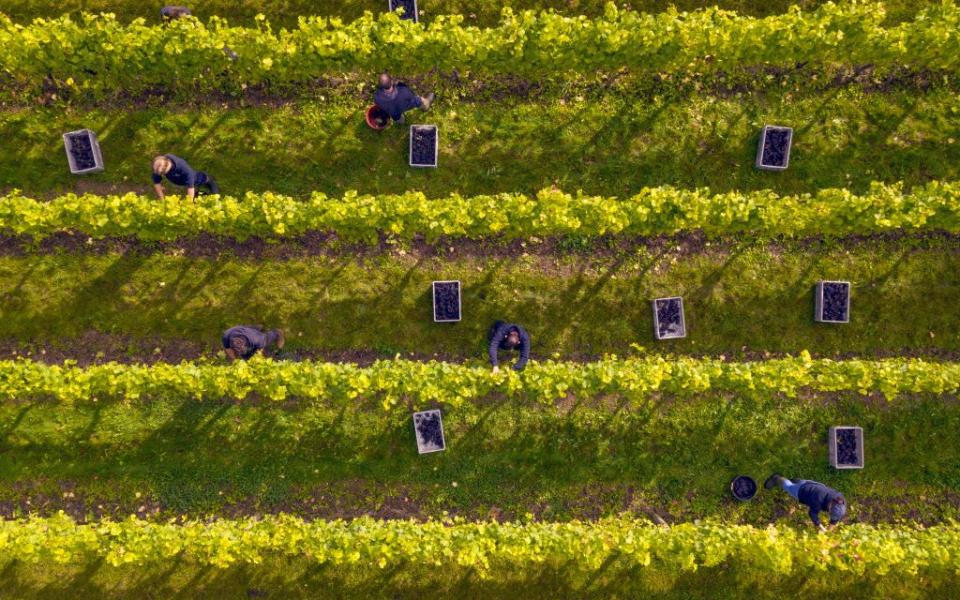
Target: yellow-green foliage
99,56
396,382
649,212
858,550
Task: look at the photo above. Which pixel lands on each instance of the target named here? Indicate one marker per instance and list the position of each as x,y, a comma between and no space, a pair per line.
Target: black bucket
743,488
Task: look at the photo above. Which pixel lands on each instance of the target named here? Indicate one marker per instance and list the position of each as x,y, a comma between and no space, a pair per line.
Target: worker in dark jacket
168,13
508,336
178,172
396,98
243,341
815,495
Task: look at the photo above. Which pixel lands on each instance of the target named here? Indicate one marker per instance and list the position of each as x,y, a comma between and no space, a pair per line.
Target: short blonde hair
162,165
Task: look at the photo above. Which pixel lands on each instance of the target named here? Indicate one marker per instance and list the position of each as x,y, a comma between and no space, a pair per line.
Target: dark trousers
205,180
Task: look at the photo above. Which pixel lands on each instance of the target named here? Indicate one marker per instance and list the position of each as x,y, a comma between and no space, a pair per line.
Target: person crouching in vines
178,172
243,341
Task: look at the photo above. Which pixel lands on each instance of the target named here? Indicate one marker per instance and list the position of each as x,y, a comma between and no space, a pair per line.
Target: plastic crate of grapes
446,301
428,427
773,151
832,302
409,9
668,320
846,447
83,152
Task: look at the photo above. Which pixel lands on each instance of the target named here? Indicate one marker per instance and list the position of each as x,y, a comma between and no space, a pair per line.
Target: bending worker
168,13
815,495
395,98
178,172
243,341
508,336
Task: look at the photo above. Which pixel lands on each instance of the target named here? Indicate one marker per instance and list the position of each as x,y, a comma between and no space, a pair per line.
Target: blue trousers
792,487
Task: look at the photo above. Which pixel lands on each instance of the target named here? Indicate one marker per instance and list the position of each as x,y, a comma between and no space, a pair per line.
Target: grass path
612,144
671,458
740,300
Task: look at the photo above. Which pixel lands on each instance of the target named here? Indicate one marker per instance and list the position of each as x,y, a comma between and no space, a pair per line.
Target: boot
428,100
772,482
212,185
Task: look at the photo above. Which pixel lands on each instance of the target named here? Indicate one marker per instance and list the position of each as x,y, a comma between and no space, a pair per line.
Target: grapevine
397,383
98,56
358,217
861,551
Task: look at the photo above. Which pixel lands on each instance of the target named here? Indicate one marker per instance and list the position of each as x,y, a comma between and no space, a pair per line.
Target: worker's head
513,338
838,508
238,344
162,165
386,82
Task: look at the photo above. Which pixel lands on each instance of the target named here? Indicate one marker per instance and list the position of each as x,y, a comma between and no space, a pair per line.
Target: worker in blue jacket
395,98
508,336
815,495
178,172
168,13
243,341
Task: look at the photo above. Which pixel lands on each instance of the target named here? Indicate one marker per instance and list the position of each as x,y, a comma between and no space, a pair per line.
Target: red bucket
377,118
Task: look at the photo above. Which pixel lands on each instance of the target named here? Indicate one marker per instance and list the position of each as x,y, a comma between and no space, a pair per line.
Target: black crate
668,319
446,301
773,151
409,9
428,428
424,145
83,152
846,447
832,302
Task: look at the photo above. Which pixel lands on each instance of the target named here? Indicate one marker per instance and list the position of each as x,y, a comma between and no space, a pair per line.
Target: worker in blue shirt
178,172
508,336
168,13
396,98
815,495
243,341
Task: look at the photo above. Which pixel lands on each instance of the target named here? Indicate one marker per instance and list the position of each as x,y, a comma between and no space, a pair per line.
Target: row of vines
399,383
358,217
98,56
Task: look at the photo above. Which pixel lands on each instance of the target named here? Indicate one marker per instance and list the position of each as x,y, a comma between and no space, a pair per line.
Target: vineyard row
401,383
356,217
857,550
99,56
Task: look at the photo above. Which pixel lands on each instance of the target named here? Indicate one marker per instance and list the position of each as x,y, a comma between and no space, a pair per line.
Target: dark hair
837,508
238,344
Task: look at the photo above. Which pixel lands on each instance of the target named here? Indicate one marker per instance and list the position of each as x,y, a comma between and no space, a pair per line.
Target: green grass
284,13
673,457
612,145
741,297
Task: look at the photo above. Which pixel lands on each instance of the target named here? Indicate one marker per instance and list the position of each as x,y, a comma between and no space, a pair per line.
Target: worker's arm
495,347
815,517
524,349
158,188
191,184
